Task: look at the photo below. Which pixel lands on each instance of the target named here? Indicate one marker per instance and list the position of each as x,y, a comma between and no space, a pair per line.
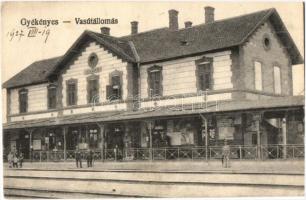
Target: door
23,145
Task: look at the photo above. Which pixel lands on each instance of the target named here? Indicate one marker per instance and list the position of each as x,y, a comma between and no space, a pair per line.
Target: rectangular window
51,97
116,87
23,101
155,83
71,96
204,70
277,80
93,91
258,76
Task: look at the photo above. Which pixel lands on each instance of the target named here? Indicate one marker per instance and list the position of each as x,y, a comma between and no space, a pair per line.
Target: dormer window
23,100
114,90
204,74
155,81
52,90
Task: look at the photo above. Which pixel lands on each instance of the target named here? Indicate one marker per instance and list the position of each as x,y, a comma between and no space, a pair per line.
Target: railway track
133,183
56,194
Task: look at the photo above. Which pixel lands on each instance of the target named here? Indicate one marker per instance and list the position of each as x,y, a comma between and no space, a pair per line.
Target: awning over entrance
292,102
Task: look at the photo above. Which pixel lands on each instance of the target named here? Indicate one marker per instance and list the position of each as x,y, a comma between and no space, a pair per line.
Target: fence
263,152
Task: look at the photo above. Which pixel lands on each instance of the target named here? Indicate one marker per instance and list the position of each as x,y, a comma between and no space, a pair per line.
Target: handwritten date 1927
30,32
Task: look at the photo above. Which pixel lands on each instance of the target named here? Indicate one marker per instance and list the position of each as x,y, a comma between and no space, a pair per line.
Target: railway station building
169,93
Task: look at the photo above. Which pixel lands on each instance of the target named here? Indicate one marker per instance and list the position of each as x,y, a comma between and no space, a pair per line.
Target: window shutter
109,91
20,103
26,102
119,92
151,84
156,84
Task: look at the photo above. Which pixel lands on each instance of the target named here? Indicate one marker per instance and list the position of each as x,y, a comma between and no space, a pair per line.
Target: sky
18,54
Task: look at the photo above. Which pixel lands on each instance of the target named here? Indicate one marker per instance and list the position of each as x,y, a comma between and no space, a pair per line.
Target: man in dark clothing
20,159
78,158
89,158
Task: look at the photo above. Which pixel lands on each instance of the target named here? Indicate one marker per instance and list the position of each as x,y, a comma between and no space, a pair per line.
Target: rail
242,152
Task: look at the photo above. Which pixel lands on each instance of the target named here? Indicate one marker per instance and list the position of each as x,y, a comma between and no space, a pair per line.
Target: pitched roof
163,43
37,72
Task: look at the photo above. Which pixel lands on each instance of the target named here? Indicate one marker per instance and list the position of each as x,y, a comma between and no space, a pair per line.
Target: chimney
105,30
209,14
134,27
173,20
188,24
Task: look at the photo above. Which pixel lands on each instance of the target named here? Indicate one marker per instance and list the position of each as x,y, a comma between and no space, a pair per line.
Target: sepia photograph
159,99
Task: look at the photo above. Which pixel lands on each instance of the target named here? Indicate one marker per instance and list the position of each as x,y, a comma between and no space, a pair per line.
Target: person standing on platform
225,155
89,158
10,158
78,158
20,159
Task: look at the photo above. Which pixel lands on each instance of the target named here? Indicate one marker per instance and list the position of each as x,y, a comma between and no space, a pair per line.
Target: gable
264,46
118,48
80,71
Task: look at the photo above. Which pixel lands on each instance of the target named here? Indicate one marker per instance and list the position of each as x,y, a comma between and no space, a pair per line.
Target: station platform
236,166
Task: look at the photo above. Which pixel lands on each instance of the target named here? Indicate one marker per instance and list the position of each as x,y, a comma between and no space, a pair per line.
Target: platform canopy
273,104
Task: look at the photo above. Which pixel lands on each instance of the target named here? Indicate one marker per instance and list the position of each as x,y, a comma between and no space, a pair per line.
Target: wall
37,98
107,62
179,76
254,50
37,94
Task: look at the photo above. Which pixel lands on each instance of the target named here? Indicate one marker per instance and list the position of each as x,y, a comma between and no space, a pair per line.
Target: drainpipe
139,86
137,59
65,147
